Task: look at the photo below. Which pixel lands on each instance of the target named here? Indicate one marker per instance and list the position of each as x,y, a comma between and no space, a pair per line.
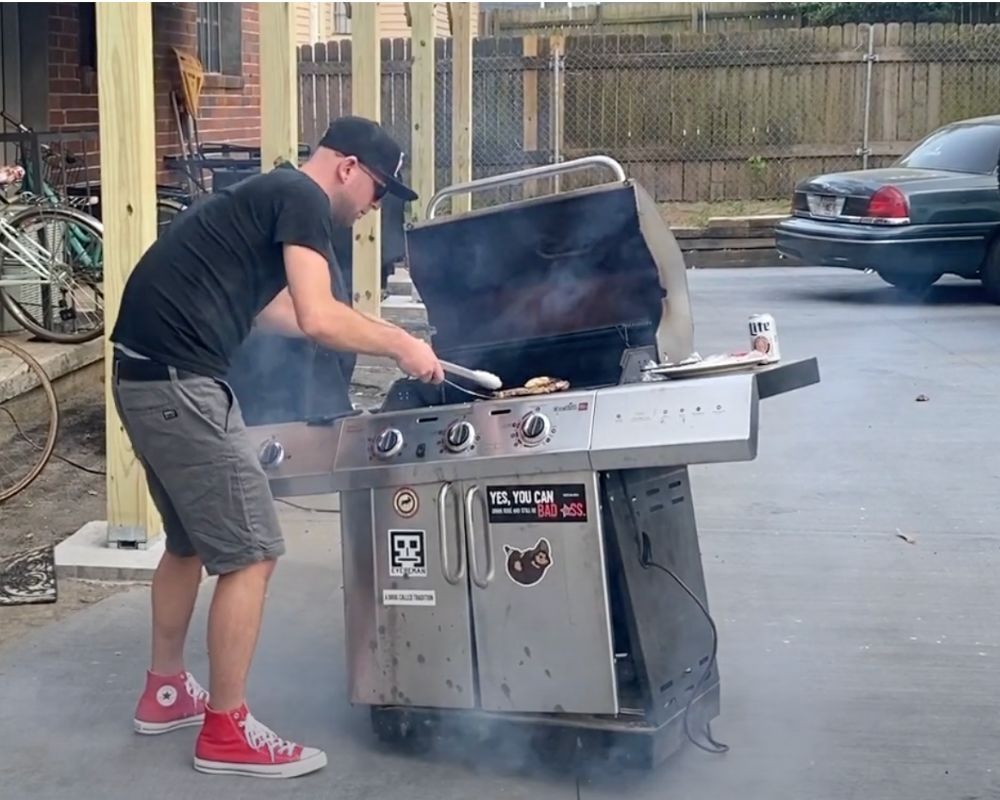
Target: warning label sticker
409,597
565,502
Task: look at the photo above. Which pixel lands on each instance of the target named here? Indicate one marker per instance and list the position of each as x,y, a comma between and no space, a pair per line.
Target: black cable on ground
306,508
717,747
646,561
80,467
56,455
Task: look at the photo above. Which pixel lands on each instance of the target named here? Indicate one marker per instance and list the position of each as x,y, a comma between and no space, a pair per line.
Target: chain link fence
742,117
696,118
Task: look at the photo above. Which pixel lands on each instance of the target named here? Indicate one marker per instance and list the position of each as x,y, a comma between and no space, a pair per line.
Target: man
254,253
278,378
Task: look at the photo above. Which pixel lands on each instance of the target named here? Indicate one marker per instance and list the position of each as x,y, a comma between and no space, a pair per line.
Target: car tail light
889,204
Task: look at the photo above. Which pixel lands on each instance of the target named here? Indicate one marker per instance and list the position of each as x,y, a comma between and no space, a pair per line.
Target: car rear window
963,148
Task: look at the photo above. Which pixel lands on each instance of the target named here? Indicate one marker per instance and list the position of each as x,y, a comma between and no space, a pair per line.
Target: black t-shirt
192,298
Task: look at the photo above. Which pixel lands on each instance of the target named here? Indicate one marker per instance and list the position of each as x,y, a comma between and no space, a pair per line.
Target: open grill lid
585,260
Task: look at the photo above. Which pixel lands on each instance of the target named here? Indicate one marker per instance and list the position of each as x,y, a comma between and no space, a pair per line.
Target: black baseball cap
372,145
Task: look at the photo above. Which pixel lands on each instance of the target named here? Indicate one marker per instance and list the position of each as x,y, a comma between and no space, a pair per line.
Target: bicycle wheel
167,210
52,273
29,421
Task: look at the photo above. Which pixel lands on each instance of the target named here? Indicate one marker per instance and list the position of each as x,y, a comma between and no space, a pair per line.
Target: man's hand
417,360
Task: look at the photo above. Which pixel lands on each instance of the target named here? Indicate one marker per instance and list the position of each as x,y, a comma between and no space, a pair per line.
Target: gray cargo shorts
203,474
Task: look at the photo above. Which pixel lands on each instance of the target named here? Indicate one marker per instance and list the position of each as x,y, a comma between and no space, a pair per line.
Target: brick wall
72,92
229,108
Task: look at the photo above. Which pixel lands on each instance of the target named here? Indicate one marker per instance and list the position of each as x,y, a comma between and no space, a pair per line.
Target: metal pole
869,61
557,116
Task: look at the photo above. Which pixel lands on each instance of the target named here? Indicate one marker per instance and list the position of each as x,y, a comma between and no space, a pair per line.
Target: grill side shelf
782,378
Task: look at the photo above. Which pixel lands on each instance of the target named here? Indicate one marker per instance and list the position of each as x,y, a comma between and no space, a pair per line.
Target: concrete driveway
854,663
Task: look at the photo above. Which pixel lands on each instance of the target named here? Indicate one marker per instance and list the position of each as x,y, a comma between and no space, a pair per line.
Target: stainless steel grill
497,552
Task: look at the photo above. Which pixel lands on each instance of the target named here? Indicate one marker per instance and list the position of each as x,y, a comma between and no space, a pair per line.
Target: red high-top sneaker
170,702
235,743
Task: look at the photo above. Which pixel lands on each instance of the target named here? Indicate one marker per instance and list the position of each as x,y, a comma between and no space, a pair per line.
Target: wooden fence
693,117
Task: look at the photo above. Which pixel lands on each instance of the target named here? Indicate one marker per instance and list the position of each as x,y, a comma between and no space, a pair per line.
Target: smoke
281,379
539,752
498,283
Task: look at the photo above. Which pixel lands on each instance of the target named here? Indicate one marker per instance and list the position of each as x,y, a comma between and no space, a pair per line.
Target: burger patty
541,385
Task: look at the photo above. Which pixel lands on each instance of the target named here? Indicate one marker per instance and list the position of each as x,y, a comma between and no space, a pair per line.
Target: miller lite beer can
764,336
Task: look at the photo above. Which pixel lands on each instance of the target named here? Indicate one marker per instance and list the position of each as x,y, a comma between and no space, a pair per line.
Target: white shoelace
259,735
194,688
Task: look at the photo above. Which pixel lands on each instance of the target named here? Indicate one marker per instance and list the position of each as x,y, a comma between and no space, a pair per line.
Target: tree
820,14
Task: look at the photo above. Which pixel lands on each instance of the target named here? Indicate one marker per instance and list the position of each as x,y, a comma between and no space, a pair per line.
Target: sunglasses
381,187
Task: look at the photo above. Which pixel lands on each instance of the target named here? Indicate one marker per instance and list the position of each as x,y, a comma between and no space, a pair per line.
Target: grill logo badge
407,554
405,503
528,567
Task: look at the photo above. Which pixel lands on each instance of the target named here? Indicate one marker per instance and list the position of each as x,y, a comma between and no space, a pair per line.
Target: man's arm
279,316
379,320
324,319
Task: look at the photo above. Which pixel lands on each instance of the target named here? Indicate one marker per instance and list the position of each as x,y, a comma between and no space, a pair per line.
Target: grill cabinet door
542,623
422,640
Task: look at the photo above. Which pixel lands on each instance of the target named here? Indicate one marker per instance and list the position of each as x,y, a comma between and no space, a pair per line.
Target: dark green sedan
936,211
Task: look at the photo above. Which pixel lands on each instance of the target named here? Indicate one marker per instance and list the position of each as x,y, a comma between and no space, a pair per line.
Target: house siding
391,22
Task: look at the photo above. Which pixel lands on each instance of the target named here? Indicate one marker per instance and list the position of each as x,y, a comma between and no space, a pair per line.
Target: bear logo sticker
528,567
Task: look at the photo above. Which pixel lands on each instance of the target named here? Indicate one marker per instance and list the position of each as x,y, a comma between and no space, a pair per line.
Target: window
220,37
963,147
341,18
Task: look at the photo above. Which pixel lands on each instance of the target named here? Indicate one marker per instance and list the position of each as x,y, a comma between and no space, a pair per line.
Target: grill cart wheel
557,748
402,729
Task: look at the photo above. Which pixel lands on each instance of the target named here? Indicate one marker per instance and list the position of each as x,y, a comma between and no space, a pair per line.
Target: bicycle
48,249
22,458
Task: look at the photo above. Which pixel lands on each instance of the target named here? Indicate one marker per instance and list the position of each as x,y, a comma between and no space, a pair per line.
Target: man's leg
217,485
171,698
175,585
175,591
233,626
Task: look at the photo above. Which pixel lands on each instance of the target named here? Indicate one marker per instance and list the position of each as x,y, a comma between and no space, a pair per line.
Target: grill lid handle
520,176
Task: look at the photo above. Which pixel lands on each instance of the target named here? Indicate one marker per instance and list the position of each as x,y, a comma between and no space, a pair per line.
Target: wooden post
422,110
422,105
366,63
128,199
461,110
279,112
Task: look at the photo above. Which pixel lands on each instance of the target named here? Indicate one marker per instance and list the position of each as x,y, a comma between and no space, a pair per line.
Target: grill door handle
470,528
456,577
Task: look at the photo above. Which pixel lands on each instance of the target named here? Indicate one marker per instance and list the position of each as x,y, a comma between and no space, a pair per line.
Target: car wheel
990,273
909,283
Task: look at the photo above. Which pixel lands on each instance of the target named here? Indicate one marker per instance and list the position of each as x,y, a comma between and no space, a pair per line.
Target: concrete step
399,283
59,361
406,312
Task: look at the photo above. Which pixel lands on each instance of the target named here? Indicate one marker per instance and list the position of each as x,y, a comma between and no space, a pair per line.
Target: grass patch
697,215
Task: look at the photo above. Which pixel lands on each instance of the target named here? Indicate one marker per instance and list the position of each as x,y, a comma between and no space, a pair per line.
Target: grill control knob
388,443
534,428
459,436
271,453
